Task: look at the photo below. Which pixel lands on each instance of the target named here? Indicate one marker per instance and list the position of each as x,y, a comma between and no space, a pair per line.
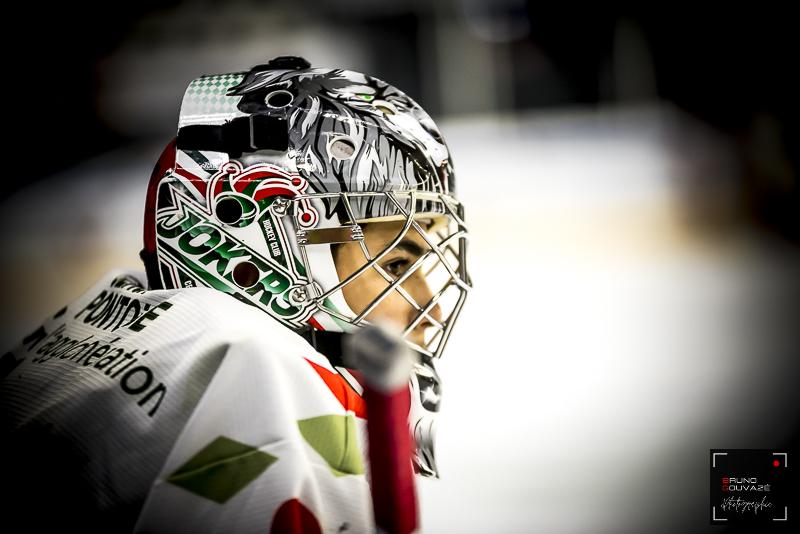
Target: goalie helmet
274,168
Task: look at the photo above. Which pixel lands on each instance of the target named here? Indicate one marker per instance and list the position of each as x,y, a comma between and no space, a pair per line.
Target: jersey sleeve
268,448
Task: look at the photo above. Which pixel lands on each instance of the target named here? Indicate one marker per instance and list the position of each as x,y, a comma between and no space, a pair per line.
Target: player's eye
397,267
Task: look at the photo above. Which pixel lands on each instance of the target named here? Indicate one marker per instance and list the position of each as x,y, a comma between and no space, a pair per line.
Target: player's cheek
393,307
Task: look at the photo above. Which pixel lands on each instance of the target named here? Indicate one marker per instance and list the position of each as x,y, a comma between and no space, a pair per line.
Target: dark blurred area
730,67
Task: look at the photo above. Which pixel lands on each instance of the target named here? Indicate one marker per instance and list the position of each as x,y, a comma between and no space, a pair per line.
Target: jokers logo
195,247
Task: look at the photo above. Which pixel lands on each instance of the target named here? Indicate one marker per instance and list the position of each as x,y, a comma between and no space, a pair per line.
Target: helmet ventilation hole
342,148
245,274
229,210
279,99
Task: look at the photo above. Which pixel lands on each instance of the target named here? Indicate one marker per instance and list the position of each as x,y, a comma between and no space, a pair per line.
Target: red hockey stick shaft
394,498
385,363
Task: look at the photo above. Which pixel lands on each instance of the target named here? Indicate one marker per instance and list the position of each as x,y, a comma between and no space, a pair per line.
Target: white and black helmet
272,167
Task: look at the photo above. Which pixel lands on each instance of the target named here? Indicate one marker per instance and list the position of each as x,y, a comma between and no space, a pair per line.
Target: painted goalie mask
273,169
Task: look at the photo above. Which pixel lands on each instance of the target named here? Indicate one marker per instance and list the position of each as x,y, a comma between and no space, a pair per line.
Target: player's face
364,288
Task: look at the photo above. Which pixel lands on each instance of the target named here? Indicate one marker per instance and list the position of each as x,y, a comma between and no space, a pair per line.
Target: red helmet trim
164,166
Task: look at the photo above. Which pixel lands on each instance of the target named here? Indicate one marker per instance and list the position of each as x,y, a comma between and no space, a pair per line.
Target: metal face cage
442,263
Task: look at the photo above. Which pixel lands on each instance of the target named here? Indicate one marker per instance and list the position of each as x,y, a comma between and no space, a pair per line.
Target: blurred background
631,183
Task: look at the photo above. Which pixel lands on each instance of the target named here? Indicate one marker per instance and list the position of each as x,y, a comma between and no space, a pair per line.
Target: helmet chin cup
426,395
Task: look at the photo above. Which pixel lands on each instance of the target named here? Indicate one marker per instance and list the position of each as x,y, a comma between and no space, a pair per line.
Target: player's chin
418,341
417,337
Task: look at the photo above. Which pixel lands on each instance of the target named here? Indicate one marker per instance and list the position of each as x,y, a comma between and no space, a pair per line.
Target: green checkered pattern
206,100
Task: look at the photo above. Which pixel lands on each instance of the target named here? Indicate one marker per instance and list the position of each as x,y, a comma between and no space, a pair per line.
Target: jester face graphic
352,132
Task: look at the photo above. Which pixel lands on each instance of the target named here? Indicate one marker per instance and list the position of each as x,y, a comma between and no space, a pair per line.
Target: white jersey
179,411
